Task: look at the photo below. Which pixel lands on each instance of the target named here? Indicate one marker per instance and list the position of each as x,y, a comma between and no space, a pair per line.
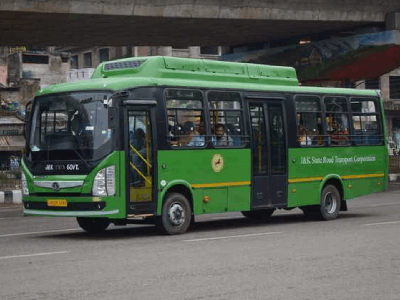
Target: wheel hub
330,203
176,214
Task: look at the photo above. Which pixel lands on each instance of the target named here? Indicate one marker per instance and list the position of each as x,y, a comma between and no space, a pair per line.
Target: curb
11,197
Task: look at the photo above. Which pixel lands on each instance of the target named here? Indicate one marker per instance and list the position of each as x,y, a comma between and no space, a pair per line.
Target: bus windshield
73,126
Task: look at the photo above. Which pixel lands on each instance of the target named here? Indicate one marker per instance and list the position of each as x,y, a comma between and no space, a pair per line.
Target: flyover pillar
194,52
164,51
393,21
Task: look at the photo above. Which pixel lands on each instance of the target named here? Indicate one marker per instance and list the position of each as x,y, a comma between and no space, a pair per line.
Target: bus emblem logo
56,186
217,163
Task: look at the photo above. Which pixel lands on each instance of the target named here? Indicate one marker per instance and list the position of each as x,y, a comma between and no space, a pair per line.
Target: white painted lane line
382,223
384,204
40,232
34,254
231,237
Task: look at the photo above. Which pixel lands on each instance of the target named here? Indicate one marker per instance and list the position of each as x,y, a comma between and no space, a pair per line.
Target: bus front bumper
35,212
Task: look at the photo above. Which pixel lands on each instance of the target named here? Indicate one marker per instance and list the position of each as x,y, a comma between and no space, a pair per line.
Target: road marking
383,204
382,223
34,254
231,236
39,232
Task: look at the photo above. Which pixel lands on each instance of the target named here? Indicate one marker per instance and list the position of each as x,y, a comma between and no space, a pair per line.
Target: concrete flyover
179,22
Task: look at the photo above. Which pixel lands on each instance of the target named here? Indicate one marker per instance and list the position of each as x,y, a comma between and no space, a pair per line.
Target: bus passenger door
269,154
140,160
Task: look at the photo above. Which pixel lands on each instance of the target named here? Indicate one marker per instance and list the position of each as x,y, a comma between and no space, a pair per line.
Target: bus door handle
279,194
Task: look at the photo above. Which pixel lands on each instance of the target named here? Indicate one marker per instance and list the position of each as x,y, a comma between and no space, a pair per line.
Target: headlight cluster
104,182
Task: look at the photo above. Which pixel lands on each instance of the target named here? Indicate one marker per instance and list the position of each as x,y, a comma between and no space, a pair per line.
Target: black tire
176,215
263,214
93,225
330,203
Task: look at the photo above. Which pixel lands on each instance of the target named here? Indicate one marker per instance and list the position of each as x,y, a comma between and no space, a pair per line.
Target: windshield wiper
82,159
77,152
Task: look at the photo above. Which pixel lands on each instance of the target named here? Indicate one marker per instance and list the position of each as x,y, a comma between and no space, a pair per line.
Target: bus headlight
25,190
104,182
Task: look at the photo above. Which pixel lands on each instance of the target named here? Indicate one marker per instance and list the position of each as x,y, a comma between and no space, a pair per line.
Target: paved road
224,257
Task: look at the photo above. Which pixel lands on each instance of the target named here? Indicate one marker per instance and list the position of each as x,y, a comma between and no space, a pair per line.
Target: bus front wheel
330,203
176,215
93,225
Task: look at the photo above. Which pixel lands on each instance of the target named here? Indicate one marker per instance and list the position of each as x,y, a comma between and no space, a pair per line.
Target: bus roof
172,71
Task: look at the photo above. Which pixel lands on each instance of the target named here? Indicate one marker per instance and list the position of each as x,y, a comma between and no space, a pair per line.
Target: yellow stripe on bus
308,179
305,179
220,184
363,176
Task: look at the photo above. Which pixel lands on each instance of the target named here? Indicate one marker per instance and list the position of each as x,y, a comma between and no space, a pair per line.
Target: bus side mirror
112,117
28,109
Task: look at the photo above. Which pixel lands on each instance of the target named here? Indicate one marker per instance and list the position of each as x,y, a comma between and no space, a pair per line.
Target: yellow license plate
57,202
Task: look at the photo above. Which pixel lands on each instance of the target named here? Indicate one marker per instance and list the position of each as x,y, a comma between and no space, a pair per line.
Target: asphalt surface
223,257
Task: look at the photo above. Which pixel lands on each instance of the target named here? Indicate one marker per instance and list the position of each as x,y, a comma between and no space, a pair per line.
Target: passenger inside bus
221,139
304,138
187,133
337,129
234,134
198,140
317,137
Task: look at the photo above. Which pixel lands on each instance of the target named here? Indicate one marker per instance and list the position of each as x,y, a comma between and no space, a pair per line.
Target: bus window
259,145
337,120
185,118
140,144
309,125
226,117
365,122
278,140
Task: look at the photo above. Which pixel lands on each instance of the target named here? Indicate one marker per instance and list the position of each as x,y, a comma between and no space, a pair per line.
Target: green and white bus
161,140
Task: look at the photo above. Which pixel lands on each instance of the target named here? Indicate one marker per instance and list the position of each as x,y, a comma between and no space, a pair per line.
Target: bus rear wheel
263,214
330,203
93,225
176,215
